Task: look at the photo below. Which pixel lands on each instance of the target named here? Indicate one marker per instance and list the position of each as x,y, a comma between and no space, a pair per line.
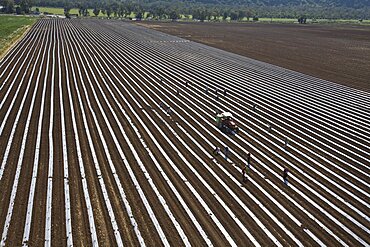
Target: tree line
17,6
189,10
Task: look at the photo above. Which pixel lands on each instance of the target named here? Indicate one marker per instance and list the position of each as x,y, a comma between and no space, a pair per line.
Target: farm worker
226,152
286,141
245,171
225,92
217,151
177,92
187,83
285,176
206,89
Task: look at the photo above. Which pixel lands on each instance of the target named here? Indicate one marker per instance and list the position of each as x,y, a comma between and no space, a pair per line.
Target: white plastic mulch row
166,178
28,224
148,207
239,108
294,82
48,216
342,212
250,195
122,193
150,211
276,129
265,71
306,165
203,71
318,195
338,196
234,195
259,109
183,236
67,197
93,153
196,194
94,237
256,86
222,75
331,109
22,150
239,105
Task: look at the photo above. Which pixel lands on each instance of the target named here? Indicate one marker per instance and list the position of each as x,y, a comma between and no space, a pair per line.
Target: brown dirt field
338,53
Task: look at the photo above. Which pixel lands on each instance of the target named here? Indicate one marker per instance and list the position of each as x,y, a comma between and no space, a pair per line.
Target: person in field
286,142
285,176
245,172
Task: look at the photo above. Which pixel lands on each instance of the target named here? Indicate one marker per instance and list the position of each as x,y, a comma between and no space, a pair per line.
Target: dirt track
339,53
89,155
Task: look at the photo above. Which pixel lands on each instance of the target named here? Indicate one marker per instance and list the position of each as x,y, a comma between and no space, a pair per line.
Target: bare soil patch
338,53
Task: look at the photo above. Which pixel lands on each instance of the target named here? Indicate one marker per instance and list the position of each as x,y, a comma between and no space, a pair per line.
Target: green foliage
174,15
25,6
8,6
96,11
11,28
215,10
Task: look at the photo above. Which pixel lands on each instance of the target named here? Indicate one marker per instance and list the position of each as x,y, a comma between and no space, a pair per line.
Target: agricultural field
108,131
11,28
334,52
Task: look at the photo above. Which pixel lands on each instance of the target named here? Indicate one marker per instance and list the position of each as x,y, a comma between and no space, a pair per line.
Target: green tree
174,15
25,6
248,14
121,10
108,11
8,6
241,15
128,8
233,16
158,12
66,11
114,7
225,15
96,11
